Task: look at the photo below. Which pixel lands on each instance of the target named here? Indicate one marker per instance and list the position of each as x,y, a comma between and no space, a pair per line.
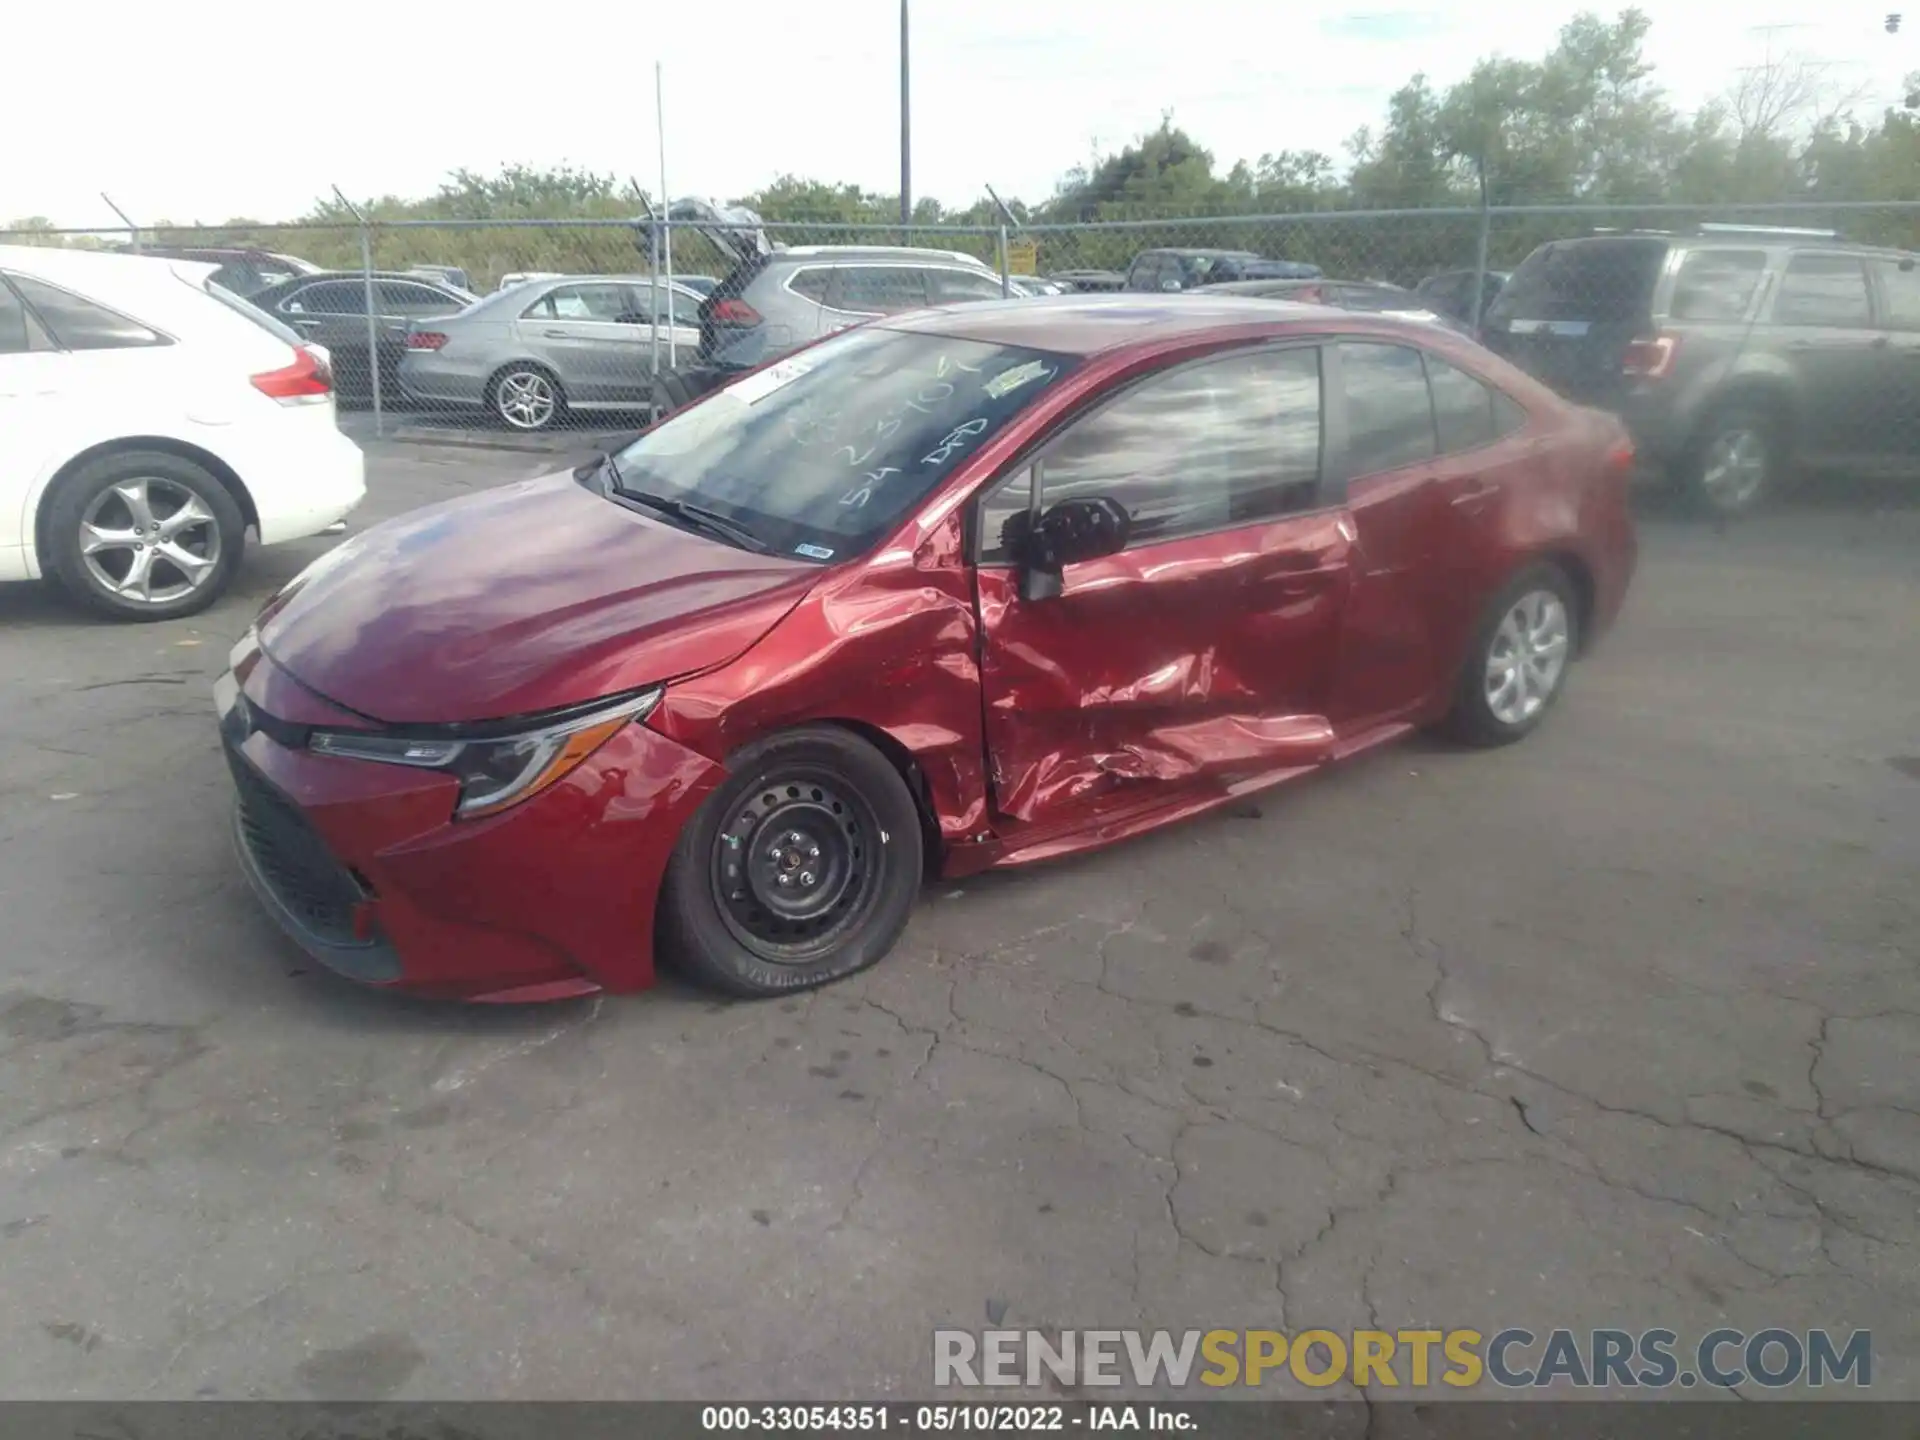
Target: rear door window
1900,292
580,302
1716,284
1608,280
1463,408
1389,410
329,297
1824,290
77,323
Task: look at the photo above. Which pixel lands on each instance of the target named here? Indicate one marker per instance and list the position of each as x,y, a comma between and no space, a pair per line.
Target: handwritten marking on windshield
859,497
956,439
933,394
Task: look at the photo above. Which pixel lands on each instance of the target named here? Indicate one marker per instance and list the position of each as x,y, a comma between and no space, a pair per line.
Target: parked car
1089,282
533,354
777,299
701,284
1373,296
448,274
240,269
1033,285
1451,292
1168,270
1734,353
1099,563
330,308
148,419
520,277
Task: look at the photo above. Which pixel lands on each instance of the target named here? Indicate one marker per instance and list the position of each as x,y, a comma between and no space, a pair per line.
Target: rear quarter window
77,323
1716,284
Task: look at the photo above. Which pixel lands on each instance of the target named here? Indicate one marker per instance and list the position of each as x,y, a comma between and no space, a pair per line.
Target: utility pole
906,128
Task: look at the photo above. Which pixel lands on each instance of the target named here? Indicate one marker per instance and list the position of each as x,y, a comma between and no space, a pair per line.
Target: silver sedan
533,353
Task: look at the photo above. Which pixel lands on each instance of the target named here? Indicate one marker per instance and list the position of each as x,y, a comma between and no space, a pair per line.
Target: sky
210,111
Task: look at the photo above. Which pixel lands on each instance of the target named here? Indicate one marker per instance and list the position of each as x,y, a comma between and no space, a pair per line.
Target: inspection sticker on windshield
1008,381
756,387
813,552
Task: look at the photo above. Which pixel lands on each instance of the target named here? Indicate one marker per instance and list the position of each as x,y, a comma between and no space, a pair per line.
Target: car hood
520,599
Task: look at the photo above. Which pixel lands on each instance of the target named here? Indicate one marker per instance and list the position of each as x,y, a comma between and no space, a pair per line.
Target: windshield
818,455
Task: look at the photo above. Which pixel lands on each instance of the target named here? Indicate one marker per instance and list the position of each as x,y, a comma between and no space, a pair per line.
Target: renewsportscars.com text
1513,1358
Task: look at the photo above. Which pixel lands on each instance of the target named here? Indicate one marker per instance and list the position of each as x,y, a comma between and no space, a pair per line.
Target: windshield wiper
697,517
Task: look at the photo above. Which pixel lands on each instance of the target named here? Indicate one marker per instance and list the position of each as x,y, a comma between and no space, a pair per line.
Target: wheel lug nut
783,880
806,877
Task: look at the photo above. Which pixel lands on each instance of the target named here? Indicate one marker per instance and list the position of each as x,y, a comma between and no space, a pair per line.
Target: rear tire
1516,668
801,869
1735,463
527,397
143,535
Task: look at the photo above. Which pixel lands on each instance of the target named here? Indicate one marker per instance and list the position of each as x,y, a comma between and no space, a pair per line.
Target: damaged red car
968,588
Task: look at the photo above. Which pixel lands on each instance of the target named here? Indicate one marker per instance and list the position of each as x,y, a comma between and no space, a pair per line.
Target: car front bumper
363,865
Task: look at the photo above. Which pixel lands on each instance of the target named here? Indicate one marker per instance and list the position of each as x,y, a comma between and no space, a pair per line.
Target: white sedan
148,420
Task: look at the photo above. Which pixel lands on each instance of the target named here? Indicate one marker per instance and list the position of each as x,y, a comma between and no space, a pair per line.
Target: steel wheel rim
1528,656
149,540
1734,466
525,399
796,866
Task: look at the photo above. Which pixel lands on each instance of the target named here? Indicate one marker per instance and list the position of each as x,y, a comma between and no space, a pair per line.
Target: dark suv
1164,270
1733,353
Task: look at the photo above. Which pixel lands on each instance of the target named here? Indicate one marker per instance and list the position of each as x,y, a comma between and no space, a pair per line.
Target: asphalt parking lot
1616,1028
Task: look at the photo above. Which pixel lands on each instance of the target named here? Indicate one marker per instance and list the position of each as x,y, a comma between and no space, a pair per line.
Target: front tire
1517,665
144,535
527,398
801,869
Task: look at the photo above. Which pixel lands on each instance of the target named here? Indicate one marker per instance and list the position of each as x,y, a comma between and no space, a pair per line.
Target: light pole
906,128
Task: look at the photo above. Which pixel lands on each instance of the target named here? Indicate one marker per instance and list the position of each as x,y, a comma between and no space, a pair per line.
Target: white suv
147,421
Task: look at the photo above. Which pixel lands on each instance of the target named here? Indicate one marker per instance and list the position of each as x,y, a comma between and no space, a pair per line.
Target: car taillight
425,340
735,312
307,380
1652,358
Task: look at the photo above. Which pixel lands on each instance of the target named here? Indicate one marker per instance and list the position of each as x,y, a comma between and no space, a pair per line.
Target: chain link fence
532,325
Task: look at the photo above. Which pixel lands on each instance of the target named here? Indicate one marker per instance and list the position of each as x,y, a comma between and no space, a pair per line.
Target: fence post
1480,253
373,313
653,299
1007,217
132,229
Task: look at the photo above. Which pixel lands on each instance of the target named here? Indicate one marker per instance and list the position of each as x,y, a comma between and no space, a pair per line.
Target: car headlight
496,768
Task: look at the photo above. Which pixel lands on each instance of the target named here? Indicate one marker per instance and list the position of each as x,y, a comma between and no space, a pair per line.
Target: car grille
315,888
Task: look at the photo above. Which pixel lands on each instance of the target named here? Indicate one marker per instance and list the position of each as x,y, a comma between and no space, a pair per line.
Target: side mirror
1170,285
1086,527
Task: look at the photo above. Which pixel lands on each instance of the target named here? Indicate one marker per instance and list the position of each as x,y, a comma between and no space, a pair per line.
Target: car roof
874,252
1197,251
80,268
1093,324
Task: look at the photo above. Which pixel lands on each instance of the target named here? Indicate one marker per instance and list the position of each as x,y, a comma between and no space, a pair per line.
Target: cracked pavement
1614,1028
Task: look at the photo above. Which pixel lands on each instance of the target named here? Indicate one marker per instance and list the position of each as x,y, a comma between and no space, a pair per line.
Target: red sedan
970,588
